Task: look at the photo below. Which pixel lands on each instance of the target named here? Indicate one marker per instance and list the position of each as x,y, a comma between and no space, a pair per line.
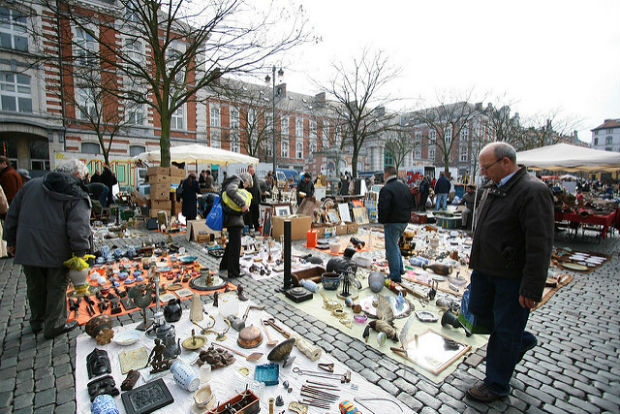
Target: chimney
319,98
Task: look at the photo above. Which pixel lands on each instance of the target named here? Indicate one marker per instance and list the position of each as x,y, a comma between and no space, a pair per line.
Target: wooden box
157,171
160,179
160,192
313,273
177,172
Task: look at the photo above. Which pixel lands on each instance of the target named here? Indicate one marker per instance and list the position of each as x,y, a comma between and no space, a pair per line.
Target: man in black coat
425,189
252,219
394,211
306,186
442,189
109,179
187,190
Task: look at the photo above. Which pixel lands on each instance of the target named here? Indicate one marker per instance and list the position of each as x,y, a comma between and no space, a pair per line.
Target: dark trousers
495,303
230,260
46,290
251,218
423,198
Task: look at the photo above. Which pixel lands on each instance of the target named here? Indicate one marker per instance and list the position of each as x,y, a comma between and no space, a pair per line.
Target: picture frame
266,228
345,214
333,216
282,211
434,352
360,214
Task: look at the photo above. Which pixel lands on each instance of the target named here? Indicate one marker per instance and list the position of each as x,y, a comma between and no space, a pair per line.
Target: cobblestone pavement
575,368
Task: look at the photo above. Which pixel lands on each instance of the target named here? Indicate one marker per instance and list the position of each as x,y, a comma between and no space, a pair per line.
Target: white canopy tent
565,157
198,153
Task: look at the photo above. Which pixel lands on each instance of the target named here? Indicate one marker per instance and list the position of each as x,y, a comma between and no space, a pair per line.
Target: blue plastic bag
215,218
467,319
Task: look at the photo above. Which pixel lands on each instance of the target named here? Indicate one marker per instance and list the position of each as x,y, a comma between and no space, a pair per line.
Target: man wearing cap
305,189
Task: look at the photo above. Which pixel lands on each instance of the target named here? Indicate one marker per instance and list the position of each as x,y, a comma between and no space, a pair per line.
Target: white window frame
463,153
312,129
135,114
284,126
86,48
299,150
216,138
251,117
609,140
178,121
447,134
85,104
431,153
268,122
15,26
19,92
134,50
136,149
234,117
312,146
214,115
465,133
418,153
432,137
235,142
299,127
284,149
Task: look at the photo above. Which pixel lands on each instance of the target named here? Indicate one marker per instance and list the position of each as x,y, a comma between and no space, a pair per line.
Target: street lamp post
273,116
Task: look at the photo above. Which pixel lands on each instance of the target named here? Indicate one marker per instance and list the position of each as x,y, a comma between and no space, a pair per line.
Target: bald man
510,255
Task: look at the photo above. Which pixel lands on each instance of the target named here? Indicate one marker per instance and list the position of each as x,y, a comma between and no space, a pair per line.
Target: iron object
147,398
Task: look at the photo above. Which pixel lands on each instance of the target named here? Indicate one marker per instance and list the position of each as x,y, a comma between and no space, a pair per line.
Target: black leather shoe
36,329
481,392
66,328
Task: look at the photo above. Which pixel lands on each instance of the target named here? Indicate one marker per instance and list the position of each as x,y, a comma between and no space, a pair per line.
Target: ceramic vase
104,404
185,376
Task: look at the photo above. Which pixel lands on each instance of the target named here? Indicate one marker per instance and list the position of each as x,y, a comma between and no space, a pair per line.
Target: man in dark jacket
394,211
109,179
251,219
471,199
442,189
47,223
10,179
187,191
306,186
425,189
513,239
233,221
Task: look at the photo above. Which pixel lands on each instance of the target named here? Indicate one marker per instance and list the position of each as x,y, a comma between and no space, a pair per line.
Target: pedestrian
305,189
442,188
96,177
425,188
42,207
98,191
10,179
235,203
512,243
4,208
251,219
109,179
187,191
394,212
469,199
25,174
344,184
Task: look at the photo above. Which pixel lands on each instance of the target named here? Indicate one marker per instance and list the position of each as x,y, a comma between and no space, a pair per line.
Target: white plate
126,337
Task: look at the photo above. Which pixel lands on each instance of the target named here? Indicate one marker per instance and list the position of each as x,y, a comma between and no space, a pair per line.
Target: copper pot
250,337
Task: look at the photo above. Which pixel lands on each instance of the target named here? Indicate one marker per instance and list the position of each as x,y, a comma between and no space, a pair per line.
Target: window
178,118
135,150
312,129
216,140
337,135
299,127
312,146
235,144
465,133
432,137
418,153
448,135
85,104
214,119
284,149
284,126
388,158
596,141
463,153
418,136
134,50
234,118
268,122
299,150
39,155
431,153
609,140
325,134
268,148
610,130
13,30
596,132
135,113
90,148
15,92
131,12
86,48
251,118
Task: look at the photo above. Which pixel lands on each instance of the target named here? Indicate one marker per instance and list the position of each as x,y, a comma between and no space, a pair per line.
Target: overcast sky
542,55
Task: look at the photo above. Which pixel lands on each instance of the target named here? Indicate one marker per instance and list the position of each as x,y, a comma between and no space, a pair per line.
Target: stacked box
159,181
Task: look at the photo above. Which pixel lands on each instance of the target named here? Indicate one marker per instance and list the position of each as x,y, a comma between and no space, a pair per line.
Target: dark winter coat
11,182
395,202
187,190
49,220
231,185
306,187
514,232
442,186
255,191
108,178
425,186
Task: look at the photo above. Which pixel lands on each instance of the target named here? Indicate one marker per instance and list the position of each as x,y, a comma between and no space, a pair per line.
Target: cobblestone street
575,368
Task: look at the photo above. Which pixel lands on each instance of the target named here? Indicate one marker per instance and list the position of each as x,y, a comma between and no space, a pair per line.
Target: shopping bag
215,218
468,319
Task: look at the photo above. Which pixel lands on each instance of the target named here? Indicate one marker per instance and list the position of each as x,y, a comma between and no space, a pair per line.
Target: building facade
606,136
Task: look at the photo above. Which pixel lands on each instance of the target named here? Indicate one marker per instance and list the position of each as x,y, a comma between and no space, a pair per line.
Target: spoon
254,356
270,342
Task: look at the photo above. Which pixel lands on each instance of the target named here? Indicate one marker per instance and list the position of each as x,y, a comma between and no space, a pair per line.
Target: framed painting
361,215
343,210
282,211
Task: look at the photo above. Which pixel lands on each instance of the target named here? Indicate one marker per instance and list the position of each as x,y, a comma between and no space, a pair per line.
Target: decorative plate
126,337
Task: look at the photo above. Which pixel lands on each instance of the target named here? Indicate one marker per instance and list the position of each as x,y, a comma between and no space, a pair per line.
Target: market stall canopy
198,153
565,157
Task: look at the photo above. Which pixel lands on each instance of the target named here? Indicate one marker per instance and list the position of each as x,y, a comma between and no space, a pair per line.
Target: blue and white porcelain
104,404
185,376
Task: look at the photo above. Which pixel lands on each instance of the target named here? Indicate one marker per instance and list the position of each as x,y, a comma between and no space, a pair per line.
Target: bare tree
446,120
399,143
543,129
503,125
165,53
360,105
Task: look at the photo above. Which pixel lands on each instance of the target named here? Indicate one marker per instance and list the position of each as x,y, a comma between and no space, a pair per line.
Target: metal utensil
253,357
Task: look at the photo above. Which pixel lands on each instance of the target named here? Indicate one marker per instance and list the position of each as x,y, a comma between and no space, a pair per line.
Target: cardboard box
157,171
352,227
160,192
160,205
199,232
139,199
341,229
160,179
177,172
299,226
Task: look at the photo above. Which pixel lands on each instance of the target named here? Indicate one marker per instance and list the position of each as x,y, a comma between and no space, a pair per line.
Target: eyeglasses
482,167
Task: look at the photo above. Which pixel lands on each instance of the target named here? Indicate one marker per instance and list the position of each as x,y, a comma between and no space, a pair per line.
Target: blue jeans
441,198
392,232
495,303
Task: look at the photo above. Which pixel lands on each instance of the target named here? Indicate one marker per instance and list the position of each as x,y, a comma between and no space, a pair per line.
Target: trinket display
102,385
147,398
98,363
282,352
217,357
194,342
